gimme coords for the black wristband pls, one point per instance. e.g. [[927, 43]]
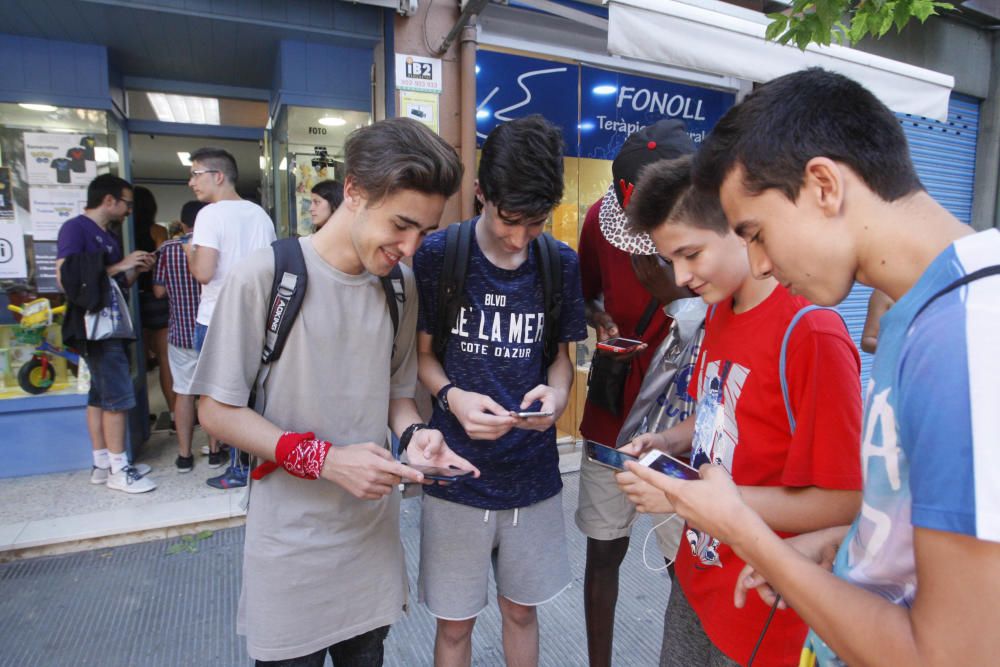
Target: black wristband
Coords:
[[404, 440], [442, 397]]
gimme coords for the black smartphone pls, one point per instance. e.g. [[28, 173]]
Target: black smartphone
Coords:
[[438, 474], [609, 457]]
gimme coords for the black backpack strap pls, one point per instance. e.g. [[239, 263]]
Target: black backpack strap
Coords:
[[984, 272], [395, 295], [451, 285], [647, 317], [287, 292], [552, 289]]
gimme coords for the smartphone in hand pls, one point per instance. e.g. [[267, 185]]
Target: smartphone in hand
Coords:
[[669, 466], [618, 345], [439, 474], [608, 457]]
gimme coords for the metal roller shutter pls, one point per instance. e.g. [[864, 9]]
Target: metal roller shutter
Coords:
[[945, 157]]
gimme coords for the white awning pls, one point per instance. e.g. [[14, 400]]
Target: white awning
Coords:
[[712, 36]]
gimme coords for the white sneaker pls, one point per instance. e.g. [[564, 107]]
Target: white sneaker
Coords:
[[205, 450], [100, 475], [129, 480]]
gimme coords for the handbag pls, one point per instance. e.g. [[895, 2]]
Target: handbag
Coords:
[[112, 320], [606, 380], [154, 312]]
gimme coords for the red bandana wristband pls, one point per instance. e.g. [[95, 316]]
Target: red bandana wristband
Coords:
[[301, 454]]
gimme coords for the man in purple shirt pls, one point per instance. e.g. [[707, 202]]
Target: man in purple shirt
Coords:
[[109, 199]]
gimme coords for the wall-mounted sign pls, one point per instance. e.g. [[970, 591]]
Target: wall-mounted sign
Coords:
[[418, 73], [509, 87], [421, 107], [613, 105]]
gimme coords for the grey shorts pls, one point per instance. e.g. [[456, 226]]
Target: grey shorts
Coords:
[[526, 546], [605, 513]]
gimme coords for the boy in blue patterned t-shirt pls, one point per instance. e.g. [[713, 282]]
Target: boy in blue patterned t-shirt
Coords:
[[814, 173], [495, 365]]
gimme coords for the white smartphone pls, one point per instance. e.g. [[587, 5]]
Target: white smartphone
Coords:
[[669, 466]]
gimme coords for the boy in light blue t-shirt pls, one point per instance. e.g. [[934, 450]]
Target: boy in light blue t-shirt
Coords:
[[814, 173]]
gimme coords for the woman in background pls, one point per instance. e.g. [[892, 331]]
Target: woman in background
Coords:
[[325, 197]]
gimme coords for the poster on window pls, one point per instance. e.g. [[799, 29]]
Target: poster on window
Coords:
[[13, 263], [6, 196], [59, 159], [51, 207], [45, 267]]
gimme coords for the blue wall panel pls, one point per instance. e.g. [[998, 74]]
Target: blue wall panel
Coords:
[[322, 75], [44, 434], [945, 157], [53, 72]]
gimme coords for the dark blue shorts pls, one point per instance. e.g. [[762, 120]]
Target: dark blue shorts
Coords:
[[110, 382]]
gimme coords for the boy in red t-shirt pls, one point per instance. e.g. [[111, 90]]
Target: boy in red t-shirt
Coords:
[[798, 478]]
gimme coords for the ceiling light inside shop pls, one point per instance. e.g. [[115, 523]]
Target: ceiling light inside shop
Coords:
[[262, 162], [184, 108], [185, 158], [104, 154], [332, 121], [37, 107]]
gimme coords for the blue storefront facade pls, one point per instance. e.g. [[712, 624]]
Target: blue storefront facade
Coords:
[[276, 71]]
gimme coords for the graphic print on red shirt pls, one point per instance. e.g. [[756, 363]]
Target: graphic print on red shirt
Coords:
[[752, 439]]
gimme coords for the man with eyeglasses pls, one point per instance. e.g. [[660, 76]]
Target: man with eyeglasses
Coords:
[[226, 231], [109, 200]]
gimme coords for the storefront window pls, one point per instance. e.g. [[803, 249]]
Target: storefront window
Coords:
[[308, 147], [48, 155]]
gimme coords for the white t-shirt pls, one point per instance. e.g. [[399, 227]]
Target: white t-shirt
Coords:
[[235, 228]]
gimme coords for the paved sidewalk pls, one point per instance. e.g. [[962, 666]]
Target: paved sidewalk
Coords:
[[142, 606]]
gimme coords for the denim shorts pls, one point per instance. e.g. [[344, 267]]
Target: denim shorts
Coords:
[[110, 382]]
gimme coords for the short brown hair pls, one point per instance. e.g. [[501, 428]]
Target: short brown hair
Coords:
[[401, 154], [664, 193]]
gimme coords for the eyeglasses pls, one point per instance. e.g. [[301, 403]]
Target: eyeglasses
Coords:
[[199, 172], [128, 203]]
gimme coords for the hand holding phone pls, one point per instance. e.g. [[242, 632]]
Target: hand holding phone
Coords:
[[668, 465], [619, 345], [441, 474], [608, 457]]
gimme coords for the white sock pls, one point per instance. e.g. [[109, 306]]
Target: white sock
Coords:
[[118, 461], [101, 459]]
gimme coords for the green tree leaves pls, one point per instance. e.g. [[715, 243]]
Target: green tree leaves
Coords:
[[846, 21]]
